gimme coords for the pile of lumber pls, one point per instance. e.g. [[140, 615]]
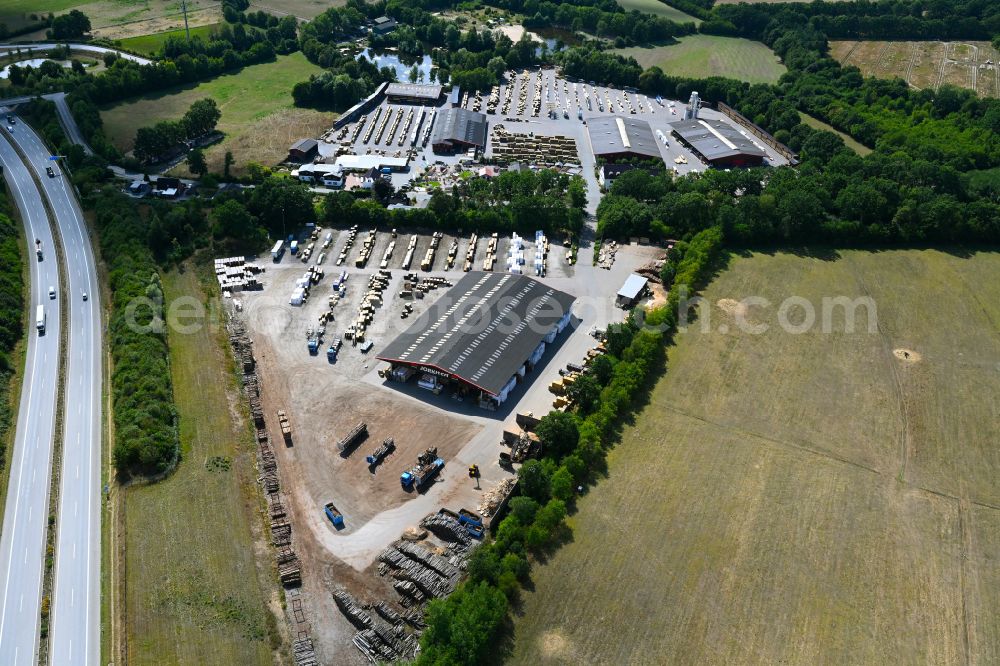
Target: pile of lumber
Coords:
[[351, 609], [431, 583], [304, 653], [447, 528], [289, 568]]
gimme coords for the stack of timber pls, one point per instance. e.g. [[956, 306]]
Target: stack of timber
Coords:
[[447, 528], [430, 582], [351, 609], [410, 593], [289, 567], [356, 434], [304, 652]]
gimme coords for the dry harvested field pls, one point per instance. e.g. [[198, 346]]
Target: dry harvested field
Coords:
[[799, 499], [970, 65], [305, 9]]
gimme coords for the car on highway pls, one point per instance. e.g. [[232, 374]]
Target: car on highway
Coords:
[[52, 292], [11, 120], [50, 172], [84, 295], [10, 128]]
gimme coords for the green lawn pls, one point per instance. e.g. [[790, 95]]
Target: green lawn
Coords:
[[854, 145], [194, 594], [258, 117], [660, 9], [150, 44], [706, 55]]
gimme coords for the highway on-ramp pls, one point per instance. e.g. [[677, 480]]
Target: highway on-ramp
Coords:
[[22, 546], [76, 616]]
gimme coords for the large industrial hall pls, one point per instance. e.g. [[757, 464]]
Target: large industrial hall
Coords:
[[481, 337]]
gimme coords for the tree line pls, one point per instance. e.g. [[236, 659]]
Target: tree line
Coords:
[[146, 439], [153, 142], [465, 627]]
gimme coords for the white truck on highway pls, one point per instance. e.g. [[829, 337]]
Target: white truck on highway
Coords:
[[40, 319]]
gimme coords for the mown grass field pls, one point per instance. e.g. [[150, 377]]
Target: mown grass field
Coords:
[[194, 594], [799, 499], [926, 64], [151, 44], [851, 143], [708, 55], [258, 117], [660, 9]]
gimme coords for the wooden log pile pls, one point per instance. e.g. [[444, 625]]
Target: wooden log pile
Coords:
[[289, 566], [304, 653], [447, 528], [430, 560], [409, 591], [351, 609], [431, 583], [388, 613]]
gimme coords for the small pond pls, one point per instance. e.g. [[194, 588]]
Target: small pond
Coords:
[[402, 66]]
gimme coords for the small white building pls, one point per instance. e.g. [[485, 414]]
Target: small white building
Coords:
[[635, 288]]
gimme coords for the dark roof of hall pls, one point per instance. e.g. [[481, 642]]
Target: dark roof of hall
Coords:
[[483, 329]]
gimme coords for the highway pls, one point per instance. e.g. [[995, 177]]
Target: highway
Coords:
[[76, 616], [87, 48], [22, 546]]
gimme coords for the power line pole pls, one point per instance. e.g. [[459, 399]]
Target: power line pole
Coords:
[[187, 30]]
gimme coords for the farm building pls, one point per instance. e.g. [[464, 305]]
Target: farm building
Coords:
[[303, 150], [481, 337], [457, 130], [616, 138], [383, 25], [413, 93], [718, 143], [331, 175]]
